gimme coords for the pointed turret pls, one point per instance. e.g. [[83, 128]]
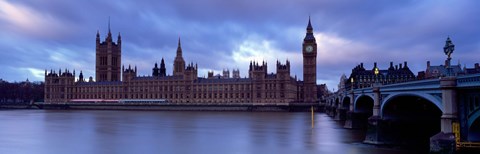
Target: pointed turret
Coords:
[[162, 63], [163, 70], [179, 48], [179, 63], [109, 35], [119, 39], [98, 38], [80, 77], [309, 35], [309, 26], [155, 71], [250, 68]]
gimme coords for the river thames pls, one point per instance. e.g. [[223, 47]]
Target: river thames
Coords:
[[91, 131]]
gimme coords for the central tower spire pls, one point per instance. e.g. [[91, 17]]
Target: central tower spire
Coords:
[[178, 63], [179, 48], [109, 35]]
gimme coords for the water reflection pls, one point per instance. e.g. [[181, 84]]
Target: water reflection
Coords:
[[52, 131]]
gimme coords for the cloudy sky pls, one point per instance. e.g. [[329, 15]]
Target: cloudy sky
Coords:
[[225, 34]]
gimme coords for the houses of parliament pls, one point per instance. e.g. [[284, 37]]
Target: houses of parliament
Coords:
[[115, 82]]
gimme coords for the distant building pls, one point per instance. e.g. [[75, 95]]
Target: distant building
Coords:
[[363, 78], [474, 70], [441, 70], [184, 86], [21, 92], [421, 75], [322, 92], [341, 84]]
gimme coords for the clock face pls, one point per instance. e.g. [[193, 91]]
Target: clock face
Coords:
[[309, 48]]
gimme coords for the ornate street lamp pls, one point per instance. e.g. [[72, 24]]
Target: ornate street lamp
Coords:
[[448, 50]]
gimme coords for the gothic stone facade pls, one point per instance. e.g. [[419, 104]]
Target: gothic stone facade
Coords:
[[184, 86]]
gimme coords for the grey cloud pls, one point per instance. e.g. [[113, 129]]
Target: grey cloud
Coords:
[[398, 31]]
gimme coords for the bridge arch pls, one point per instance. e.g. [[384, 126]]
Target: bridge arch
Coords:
[[346, 102], [474, 126], [411, 118], [335, 106], [362, 103], [362, 110], [337, 101], [436, 101]]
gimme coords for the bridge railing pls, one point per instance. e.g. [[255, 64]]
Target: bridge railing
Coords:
[[411, 85], [468, 80], [472, 80]]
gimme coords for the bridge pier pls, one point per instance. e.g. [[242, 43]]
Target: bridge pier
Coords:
[[327, 109], [355, 120], [375, 134], [376, 131], [444, 142], [332, 111], [341, 114]]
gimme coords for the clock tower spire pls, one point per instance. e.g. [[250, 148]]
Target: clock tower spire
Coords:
[[309, 51]]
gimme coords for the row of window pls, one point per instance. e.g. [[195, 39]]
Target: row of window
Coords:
[[166, 88], [168, 96], [385, 77]]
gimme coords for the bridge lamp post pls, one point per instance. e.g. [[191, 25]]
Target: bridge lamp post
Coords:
[[351, 95], [351, 81], [448, 49], [376, 95]]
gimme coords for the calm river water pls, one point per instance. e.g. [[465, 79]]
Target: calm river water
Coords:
[[140, 132]]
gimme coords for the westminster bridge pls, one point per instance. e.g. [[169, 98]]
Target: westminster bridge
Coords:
[[443, 112]]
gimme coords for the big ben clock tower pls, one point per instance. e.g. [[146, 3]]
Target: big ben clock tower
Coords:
[[309, 51]]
